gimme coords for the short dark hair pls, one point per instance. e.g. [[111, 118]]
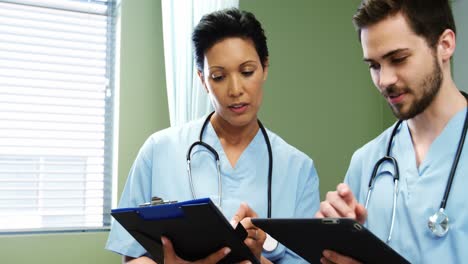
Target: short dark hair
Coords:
[[219, 25], [427, 18]]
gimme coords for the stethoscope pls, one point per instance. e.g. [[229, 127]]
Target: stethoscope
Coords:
[[438, 223], [218, 164]]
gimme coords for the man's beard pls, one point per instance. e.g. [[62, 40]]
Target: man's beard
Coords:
[[430, 88]]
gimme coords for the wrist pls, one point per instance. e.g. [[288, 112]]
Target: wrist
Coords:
[[264, 260]]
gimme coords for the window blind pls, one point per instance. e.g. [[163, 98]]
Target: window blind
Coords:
[[56, 114]]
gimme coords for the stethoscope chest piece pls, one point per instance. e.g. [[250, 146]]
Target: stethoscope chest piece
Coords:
[[439, 223]]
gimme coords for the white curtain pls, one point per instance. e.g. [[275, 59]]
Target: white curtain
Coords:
[[186, 96]]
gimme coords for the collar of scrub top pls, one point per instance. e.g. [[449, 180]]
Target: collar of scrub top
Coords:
[[438, 223], [216, 156]]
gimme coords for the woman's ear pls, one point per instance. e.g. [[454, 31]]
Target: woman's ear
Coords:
[[446, 45], [265, 69], [202, 80]]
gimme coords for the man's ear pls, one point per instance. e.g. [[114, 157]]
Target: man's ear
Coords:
[[202, 80], [446, 45]]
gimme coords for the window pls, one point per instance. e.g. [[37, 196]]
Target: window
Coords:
[[56, 114]]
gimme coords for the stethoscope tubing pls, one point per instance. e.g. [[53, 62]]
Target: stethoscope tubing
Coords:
[[218, 163], [461, 143], [396, 176], [218, 166]]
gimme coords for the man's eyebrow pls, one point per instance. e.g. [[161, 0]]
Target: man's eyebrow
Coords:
[[393, 52], [388, 54]]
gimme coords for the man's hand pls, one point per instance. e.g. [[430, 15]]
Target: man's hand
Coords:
[[342, 203]]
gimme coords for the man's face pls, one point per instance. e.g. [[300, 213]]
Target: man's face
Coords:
[[402, 65]]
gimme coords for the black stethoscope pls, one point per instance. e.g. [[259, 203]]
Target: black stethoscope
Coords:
[[216, 156], [438, 223]]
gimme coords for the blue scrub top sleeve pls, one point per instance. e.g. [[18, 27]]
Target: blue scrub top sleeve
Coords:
[[137, 190], [308, 195], [354, 175]]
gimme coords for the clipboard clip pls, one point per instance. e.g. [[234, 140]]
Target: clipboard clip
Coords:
[[155, 200]]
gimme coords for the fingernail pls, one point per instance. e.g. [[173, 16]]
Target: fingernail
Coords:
[[226, 251], [326, 253], [342, 189], [233, 223], [163, 240]]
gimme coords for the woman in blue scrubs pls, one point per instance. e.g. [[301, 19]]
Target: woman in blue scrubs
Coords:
[[232, 60]]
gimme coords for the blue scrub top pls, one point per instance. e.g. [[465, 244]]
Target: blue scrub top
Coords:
[[420, 193], [160, 169]]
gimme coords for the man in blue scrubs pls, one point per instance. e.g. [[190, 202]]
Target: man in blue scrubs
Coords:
[[408, 45], [232, 59]]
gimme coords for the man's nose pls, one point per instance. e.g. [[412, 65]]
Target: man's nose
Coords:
[[387, 77]]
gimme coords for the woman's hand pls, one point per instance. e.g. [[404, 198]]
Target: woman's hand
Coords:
[[170, 257], [331, 257], [140, 260], [256, 237]]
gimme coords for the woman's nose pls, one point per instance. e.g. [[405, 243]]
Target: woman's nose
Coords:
[[235, 86]]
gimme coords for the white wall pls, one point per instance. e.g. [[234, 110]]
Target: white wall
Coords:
[[460, 7]]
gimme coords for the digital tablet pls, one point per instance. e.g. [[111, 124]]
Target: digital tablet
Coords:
[[309, 237], [196, 229]]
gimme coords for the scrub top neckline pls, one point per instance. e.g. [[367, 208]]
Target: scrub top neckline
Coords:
[[226, 164], [439, 146]]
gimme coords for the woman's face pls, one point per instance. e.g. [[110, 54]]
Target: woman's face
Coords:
[[233, 76]]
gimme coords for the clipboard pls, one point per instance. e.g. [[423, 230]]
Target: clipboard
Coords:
[[309, 237], [196, 229]]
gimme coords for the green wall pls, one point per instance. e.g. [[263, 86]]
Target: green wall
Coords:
[[319, 95], [143, 102], [319, 98], [460, 67]]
